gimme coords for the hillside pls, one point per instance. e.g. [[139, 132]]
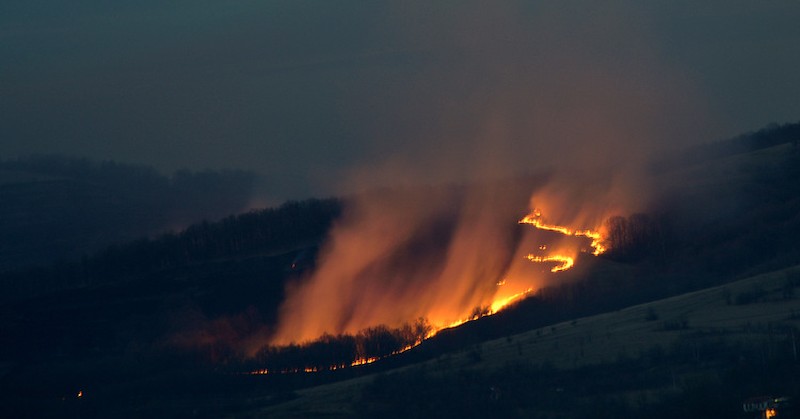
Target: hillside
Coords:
[[634, 359], [694, 305], [61, 208]]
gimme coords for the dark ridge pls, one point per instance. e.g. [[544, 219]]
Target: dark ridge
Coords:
[[60, 208]]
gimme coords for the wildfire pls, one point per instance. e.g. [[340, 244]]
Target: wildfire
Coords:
[[558, 255], [500, 304], [355, 363], [365, 361], [566, 262]]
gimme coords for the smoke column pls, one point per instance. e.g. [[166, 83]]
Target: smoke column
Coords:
[[515, 88]]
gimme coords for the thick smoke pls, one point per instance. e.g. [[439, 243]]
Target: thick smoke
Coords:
[[508, 90], [400, 255]]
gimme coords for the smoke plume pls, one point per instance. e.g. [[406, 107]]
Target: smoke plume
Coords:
[[517, 89]]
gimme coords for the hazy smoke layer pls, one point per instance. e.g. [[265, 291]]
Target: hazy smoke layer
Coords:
[[400, 255], [531, 87]]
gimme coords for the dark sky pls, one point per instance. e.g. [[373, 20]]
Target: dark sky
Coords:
[[309, 93]]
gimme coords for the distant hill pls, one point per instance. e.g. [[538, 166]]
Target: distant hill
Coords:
[[60, 208]]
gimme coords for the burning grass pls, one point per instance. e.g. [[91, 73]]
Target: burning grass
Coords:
[[330, 353], [333, 352]]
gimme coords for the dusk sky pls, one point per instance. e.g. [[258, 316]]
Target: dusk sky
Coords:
[[311, 93]]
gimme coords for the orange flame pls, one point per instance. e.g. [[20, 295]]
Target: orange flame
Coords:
[[502, 303], [535, 219], [564, 262], [562, 259], [363, 361]]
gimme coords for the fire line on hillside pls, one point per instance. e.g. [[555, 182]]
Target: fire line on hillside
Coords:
[[562, 262]]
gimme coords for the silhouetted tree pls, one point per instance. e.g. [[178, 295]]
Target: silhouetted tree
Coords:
[[631, 238]]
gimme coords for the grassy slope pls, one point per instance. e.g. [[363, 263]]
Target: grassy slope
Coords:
[[708, 315], [597, 340]]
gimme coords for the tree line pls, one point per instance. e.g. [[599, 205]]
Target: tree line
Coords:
[[769, 136], [284, 228], [341, 351]]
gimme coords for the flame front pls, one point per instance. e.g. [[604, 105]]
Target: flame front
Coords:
[[535, 219], [391, 260], [564, 262]]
